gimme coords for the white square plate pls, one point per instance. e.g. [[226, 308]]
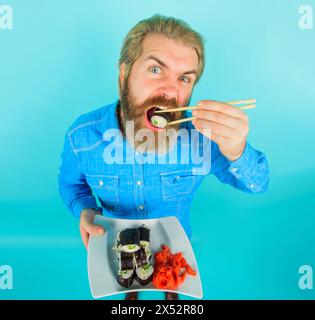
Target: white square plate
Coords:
[[102, 259]]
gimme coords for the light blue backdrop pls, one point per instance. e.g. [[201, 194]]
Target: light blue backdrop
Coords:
[[60, 60]]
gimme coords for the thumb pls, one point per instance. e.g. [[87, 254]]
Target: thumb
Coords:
[[94, 229]]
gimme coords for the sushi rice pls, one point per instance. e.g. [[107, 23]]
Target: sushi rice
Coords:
[[129, 248], [145, 271], [146, 246], [125, 274], [158, 121]]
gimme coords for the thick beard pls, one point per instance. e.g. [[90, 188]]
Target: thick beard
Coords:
[[164, 140]]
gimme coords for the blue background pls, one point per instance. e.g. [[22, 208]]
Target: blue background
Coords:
[[61, 60]]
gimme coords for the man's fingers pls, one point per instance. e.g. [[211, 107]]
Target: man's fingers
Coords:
[[90, 227], [99, 229], [222, 107], [94, 229], [218, 117], [87, 227], [216, 128], [85, 237], [88, 230]]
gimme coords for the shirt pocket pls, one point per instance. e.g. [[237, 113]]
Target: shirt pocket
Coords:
[[176, 185], [104, 186]]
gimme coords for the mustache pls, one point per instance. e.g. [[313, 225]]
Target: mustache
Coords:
[[150, 105], [159, 101]]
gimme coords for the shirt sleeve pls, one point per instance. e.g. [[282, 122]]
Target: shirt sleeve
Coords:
[[248, 173], [73, 187]]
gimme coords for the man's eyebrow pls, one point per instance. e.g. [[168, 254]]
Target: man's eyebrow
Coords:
[[165, 66]]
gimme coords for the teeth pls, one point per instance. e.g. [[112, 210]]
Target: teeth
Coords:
[[162, 107]]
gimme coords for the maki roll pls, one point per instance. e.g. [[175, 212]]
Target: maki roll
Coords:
[[129, 240], [145, 241], [133, 253], [126, 261], [158, 121], [140, 257], [125, 278], [144, 235], [144, 274], [147, 252]]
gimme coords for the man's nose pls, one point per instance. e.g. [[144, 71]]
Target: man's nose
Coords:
[[169, 89]]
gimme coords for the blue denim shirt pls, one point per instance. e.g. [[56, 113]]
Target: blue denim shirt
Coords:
[[145, 186]]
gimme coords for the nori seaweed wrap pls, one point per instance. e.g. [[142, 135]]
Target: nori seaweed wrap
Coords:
[[144, 274], [141, 257], [125, 278], [145, 241], [129, 240], [144, 234], [126, 261]]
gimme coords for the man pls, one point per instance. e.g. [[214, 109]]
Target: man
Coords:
[[161, 60]]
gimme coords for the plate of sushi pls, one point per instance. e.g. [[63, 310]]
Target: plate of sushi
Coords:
[[139, 255]]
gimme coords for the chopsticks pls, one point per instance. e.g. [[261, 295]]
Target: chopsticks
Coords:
[[245, 104]]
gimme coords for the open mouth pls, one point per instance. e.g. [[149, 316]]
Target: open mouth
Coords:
[[157, 122]]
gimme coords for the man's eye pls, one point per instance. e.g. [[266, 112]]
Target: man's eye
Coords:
[[185, 79], [155, 69]]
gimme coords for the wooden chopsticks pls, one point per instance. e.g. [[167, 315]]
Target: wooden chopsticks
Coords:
[[241, 104], [249, 104]]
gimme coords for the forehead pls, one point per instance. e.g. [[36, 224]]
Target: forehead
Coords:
[[168, 50]]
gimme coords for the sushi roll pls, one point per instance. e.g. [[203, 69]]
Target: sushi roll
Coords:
[[144, 234], [144, 274], [145, 241], [147, 252], [125, 278], [158, 121], [133, 253], [128, 240], [140, 257], [126, 261]]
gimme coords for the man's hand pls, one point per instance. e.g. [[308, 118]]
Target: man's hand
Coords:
[[228, 126], [87, 227]]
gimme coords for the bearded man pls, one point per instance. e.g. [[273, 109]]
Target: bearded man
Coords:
[[161, 61]]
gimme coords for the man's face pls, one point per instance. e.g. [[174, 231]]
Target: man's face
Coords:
[[163, 75]]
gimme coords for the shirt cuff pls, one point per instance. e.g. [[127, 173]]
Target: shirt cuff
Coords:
[[83, 203], [245, 163]]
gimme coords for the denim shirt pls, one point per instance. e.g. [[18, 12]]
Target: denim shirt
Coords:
[[141, 185]]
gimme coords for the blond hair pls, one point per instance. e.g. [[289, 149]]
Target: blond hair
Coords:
[[170, 27]]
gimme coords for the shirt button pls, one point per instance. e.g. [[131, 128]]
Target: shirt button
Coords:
[[177, 177], [139, 183], [141, 207], [101, 182], [252, 186], [234, 169]]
